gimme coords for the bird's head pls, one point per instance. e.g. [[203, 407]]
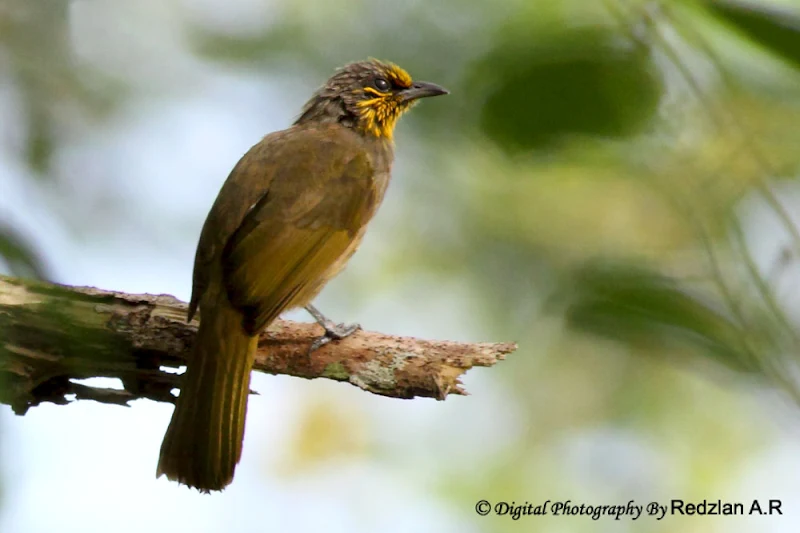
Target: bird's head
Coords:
[[368, 96]]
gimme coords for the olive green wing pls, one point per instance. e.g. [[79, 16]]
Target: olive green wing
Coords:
[[316, 204], [247, 183]]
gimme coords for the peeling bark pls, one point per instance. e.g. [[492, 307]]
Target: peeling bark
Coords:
[[51, 335]]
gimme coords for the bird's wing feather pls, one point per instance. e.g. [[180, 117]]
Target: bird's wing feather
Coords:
[[289, 242], [248, 182], [314, 203]]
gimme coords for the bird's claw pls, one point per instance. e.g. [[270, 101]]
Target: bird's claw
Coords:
[[333, 332]]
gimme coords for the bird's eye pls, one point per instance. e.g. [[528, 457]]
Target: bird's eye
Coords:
[[381, 84]]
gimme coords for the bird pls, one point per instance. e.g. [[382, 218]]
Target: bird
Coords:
[[287, 219]]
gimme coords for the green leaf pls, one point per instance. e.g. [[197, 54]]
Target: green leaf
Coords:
[[776, 29], [646, 309], [20, 257], [540, 88]]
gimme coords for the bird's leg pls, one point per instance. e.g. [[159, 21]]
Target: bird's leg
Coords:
[[333, 331]]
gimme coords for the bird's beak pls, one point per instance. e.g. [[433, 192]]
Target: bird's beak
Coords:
[[422, 89]]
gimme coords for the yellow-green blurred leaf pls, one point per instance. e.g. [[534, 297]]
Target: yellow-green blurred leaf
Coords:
[[777, 29], [540, 87], [19, 255], [646, 309]]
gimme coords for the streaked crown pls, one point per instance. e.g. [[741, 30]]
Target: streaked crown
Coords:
[[368, 96]]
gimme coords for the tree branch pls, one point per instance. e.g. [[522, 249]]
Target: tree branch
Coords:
[[52, 335]]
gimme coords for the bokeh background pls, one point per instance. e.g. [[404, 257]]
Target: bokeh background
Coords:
[[612, 184]]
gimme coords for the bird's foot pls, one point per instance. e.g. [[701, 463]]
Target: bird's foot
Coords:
[[333, 331]]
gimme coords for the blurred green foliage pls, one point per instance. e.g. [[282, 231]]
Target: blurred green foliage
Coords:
[[774, 27], [582, 81], [645, 308], [18, 255]]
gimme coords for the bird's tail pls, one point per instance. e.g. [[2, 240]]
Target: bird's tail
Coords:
[[203, 442]]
